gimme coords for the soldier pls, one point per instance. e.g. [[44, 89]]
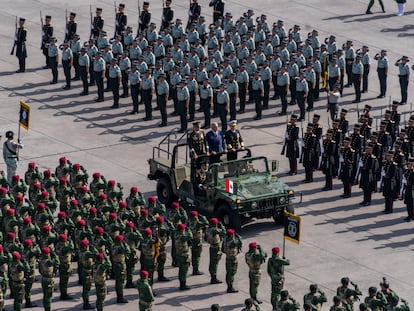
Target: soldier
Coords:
[[163, 90], [47, 33], [167, 15], [67, 63], [121, 20], [257, 90], [382, 70], [357, 143], [193, 89], [348, 295], [218, 9], [375, 300], [76, 47], [287, 302], [409, 187], [53, 55], [115, 77], [404, 77], [232, 245], [214, 234], [71, 27], [333, 98], [11, 154], [315, 297], [65, 250], [291, 144], [197, 145], [146, 297], [366, 62], [162, 236], [337, 306], [99, 71], [275, 269], [85, 265], [144, 19], [234, 141], [17, 269], [282, 82], [255, 257], [223, 105], [125, 66], [308, 153], [84, 63], [20, 43], [368, 165], [301, 92], [31, 255], [183, 98], [194, 13], [250, 304], [242, 78], [147, 249], [119, 252], [183, 240], [100, 273], [197, 225], [346, 160], [357, 73], [328, 160], [147, 90], [206, 97], [47, 268], [394, 300], [386, 290], [4, 275], [389, 186], [97, 24]]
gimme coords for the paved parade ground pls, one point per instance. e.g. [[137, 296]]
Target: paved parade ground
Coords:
[[339, 237]]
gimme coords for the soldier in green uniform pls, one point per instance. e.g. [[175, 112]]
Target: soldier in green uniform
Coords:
[[147, 258], [275, 269], [30, 254], [47, 267], [65, 251], [17, 271], [287, 302], [255, 257], [176, 216], [120, 252], [315, 297], [214, 234], [375, 300], [197, 225], [4, 275], [146, 297], [162, 236], [250, 304], [85, 265], [135, 201], [232, 245], [132, 239], [197, 145], [182, 242], [394, 304], [348, 295], [337, 306], [100, 272]]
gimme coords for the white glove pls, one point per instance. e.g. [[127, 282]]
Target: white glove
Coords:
[[382, 173], [286, 134], [322, 149], [360, 163]]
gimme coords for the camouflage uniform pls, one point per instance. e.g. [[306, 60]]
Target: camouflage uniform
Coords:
[[255, 257], [100, 272], [30, 254], [197, 226], [85, 265], [132, 238], [47, 266], [182, 242], [65, 251], [287, 303], [147, 258], [315, 297], [176, 216], [213, 235], [275, 266], [4, 276], [146, 297], [17, 271], [119, 254], [232, 245], [162, 236]]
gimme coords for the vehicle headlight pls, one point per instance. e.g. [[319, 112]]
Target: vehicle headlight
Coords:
[[254, 204], [282, 200], [291, 192]]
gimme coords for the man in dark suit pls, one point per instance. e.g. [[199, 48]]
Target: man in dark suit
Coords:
[[20, 42], [215, 143]]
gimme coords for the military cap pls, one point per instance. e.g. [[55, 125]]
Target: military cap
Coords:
[[395, 103], [293, 117], [329, 132], [1, 248], [66, 43], [385, 282], [349, 42], [11, 235], [27, 243], [84, 243], [276, 250], [394, 299], [83, 49], [323, 46], [340, 51], [230, 232], [223, 85], [144, 212], [284, 293], [76, 36], [93, 211], [19, 198], [357, 126], [46, 228], [365, 47], [148, 231], [73, 202], [15, 177], [9, 134], [119, 238], [398, 143], [403, 130], [48, 17], [343, 110], [61, 214], [347, 139], [16, 256], [310, 125], [358, 56], [248, 302], [334, 59], [411, 160], [10, 212], [121, 5], [98, 9], [405, 58], [215, 307], [37, 186], [99, 230], [383, 123], [22, 19], [196, 123], [345, 280], [63, 237], [387, 111], [46, 250], [252, 245], [383, 51], [313, 287], [100, 256], [335, 121], [31, 165], [81, 223], [332, 37], [72, 14], [232, 122], [181, 227], [316, 116], [214, 221], [146, 3]]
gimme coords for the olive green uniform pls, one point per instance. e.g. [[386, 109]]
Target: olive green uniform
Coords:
[[65, 251], [146, 297], [275, 266], [254, 259], [47, 266], [183, 241], [17, 271], [232, 245], [162, 234], [30, 255], [100, 272], [197, 227], [147, 258], [85, 263], [132, 238], [213, 237], [120, 252]]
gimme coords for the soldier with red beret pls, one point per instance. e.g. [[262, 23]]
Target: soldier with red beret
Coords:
[[183, 239], [232, 245], [255, 257], [275, 269]]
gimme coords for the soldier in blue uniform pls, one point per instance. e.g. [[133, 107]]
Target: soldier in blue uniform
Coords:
[[47, 33], [404, 77]]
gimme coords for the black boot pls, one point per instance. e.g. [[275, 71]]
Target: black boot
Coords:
[[197, 272], [121, 299], [162, 278], [88, 306], [129, 285], [183, 286], [231, 289], [214, 280], [29, 304], [65, 297]]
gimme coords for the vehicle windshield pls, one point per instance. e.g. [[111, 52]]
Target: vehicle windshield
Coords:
[[241, 168]]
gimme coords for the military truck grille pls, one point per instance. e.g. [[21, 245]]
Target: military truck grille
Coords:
[[268, 203]]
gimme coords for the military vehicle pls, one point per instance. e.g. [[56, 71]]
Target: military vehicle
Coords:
[[233, 191]]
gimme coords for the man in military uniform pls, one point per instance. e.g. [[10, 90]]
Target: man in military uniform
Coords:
[[10, 154], [382, 70], [194, 13], [234, 141], [375, 300], [146, 297], [183, 99], [404, 77], [308, 153], [183, 240], [163, 90], [287, 302], [115, 77], [162, 236], [346, 161], [167, 15], [31, 255], [315, 297], [47, 33], [121, 20], [147, 90], [97, 24], [346, 294], [71, 27], [232, 245], [17, 269], [147, 258], [100, 273], [85, 265], [275, 269], [389, 185], [255, 257], [53, 54], [357, 73], [47, 268], [144, 19], [197, 146], [65, 251], [20, 43], [67, 63], [328, 160], [409, 188], [84, 63], [291, 144], [119, 253], [214, 234], [218, 9], [197, 225]]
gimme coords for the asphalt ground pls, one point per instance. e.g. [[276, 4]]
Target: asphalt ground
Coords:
[[339, 238]]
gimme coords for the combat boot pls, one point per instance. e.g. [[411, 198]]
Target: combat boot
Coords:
[[121, 299], [231, 289], [183, 286], [65, 297], [88, 306], [214, 280], [162, 278], [197, 272], [29, 304], [130, 285]]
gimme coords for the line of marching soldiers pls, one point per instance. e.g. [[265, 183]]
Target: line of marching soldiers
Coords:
[[381, 160]]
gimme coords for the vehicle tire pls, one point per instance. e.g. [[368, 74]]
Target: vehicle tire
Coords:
[[164, 191], [229, 218], [280, 218]]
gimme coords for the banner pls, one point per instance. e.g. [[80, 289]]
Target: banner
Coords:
[[24, 117], [292, 227]]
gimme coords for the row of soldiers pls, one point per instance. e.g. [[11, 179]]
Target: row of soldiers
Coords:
[[382, 159], [243, 57]]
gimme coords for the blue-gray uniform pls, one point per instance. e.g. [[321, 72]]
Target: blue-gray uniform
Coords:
[[223, 101], [243, 79], [143, 43], [275, 65], [357, 72], [124, 65], [212, 42], [310, 77], [76, 46], [142, 67], [107, 56], [206, 95], [149, 58], [251, 67], [215, 82], [184, 45], [227, 71], [293, 71], [228, 47], [163, 90], [291, 46], [404, 77], [201, 52], [334, 75], [193, 36], [259, 36], [300, 61], [242, 53], [152, 35], [91, 50], [257, 89], [202, 30], [333, 98], [218, 57], [382, 70], [177, 55], [281, 32], [128, 39], [159, 51], [266, 76], [228, 25], [167, 40], [268, 49], [284, 55], [331, 48], [297, 37], [211, 64], [99, 72], [349, 58], [183, 97], [102, 42], [218, 32], [316, 44], [366, 62], [134, 81], [233, 90], [67, 61], [193, 89], [10, 157], [117, 48], [302, 90], [282, 81], [242, 29], [259, 59], [147, 86], [177, 31], [175, 79], [274, 40], [250, 44], [53, 54], [234, 62], [115, 78], [249, 22], [194, 60], [201, 75], [84, 64], [184, 69], [235, 38], [307, 51]]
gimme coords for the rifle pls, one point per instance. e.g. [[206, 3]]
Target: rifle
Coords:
[[66, 25], [115, 20], [162, 13], [139, 18], [92, 27], [41, 30], [301, 153], [285, 143], [15, 37]]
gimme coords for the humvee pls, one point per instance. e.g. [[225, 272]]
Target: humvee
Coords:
[[234, 191]]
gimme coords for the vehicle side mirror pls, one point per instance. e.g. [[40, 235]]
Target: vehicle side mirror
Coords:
[[275, 165]]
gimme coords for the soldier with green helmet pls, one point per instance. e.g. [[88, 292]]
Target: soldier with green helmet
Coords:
[[31, 254], [147, 258], [287, 302], [65, 251], [394, 304], [337, 304], [146, 297], [85, 265], [315, 297], [348, 295], [232, 245], [375, 299], [132, 239], [255, 257], [183, 240], [214, 234], [47, 267], [197, 225], [100, 272], [250, 304], [275, 269], [17, 271]]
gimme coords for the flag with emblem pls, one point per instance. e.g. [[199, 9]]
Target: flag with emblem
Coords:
[[24, 118]]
